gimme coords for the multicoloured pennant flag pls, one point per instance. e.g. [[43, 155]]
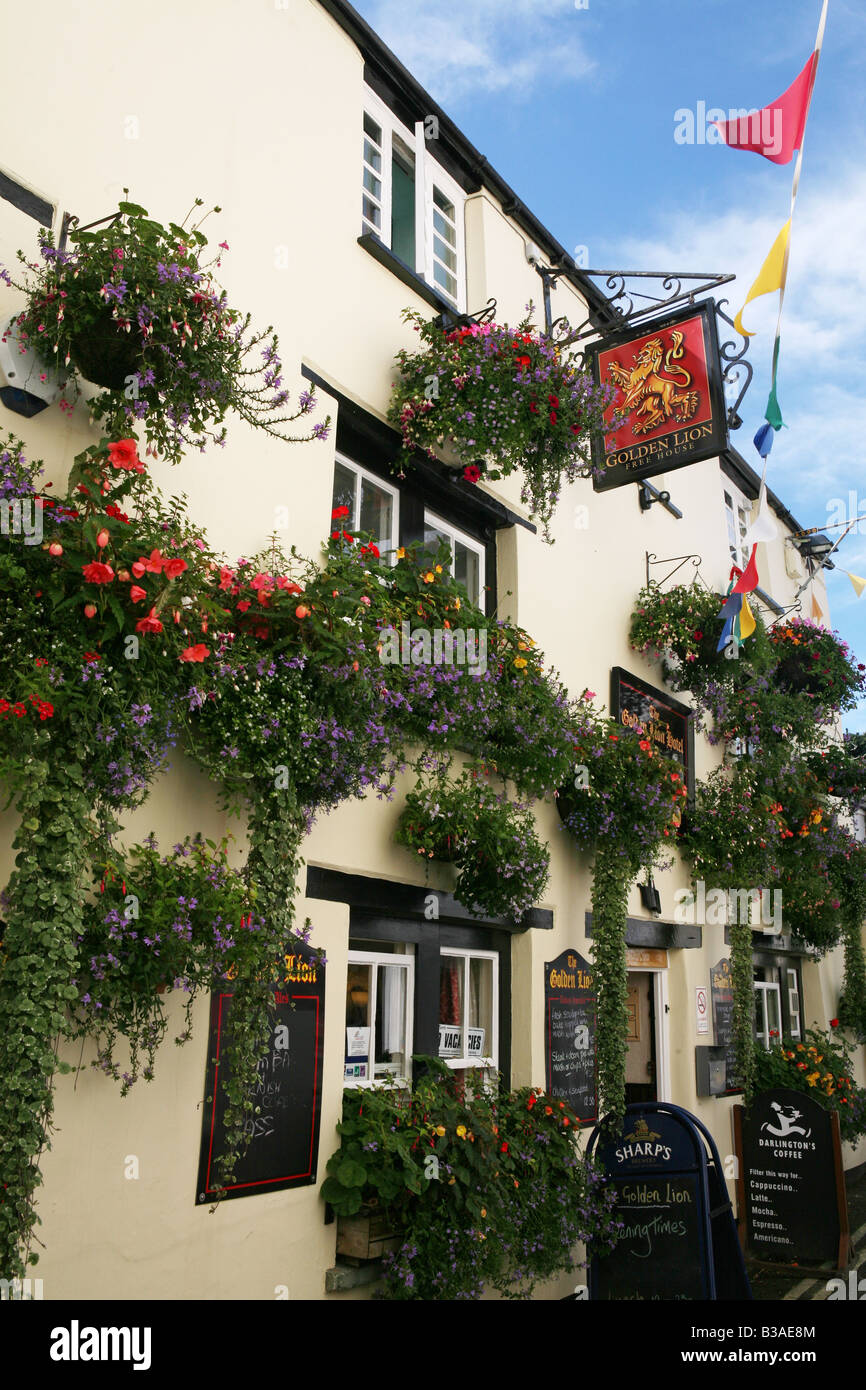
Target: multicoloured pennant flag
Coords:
[[775, 131], [780, 129], [747, 621], [748, 580]]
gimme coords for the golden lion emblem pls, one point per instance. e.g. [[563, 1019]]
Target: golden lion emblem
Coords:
[[652, 398]]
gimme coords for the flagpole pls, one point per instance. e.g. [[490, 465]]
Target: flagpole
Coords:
[[795, 186]]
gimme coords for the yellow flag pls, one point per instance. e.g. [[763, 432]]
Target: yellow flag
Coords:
[[817, 612], [859, 584], [747, 620], [771, 276]]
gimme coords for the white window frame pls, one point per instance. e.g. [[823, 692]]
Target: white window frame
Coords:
[[455, 534], [491, 1059], [353, 521], [404, 962], [762, 989], [739, 513], [428, 174], [794, 1005]]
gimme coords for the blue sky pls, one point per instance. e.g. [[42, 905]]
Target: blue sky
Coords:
[[575, 107]]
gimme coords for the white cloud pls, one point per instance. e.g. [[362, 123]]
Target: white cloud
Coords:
[[459, 48]]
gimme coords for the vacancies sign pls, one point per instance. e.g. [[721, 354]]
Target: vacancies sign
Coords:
[[668, 408]]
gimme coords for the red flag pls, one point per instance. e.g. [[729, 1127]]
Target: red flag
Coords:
[[748, 580], [775, 131]]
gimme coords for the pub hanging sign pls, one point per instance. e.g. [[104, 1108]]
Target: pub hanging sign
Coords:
[[668, 408]]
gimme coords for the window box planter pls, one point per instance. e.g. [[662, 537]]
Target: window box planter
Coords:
[[368, 1235]]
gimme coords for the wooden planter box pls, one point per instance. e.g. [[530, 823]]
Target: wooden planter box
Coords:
[[366, 1236]]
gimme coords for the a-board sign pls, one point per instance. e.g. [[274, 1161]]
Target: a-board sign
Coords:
[[284, 1134], [791, 1184], [570, 1034], [722, 996], [658, 1169], [668, 406]]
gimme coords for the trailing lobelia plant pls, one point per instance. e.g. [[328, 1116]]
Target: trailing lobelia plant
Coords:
[[134, 307], [507, 395]]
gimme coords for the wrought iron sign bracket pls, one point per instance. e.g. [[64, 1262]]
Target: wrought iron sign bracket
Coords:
[[620, 300], [733, 364], [648, 494], [450, 319], [652, 559]]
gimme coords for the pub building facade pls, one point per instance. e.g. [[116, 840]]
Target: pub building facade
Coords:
[[350, 196]]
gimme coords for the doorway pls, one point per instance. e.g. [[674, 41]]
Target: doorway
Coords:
[[641, 1064]]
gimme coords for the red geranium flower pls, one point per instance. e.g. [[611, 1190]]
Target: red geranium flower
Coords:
[[289, 585], [136, 593], [471, 473], [196, 653], [92, 656], [172, 568], [553, 417], [834, 1023], [97, 573], [243, 605], [339, 512]]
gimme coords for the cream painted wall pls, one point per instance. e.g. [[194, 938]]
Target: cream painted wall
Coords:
[[267, 122]]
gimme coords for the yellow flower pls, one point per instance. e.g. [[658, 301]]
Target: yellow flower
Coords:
[[429, 577], [461, 1131], [451, 1182], [438, 569], [440, 1130], [483, 1211], [457, 604], [812, 1077], [520, 662], [401, 553]]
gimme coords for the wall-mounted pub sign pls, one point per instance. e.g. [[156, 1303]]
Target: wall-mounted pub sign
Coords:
[[657, 716], [570, 1008], [669, 407], [284, 1133]]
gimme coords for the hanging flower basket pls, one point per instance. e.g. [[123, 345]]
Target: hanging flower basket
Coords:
[[509, 395], [502, 866], [816, 662], [134, 307], [106, 353]]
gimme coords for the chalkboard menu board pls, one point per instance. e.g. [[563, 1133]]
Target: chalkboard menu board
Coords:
[[657, 1168], [570, 1028], [284, 1134], [658, 1255], [791, 1166], [722, 995]]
